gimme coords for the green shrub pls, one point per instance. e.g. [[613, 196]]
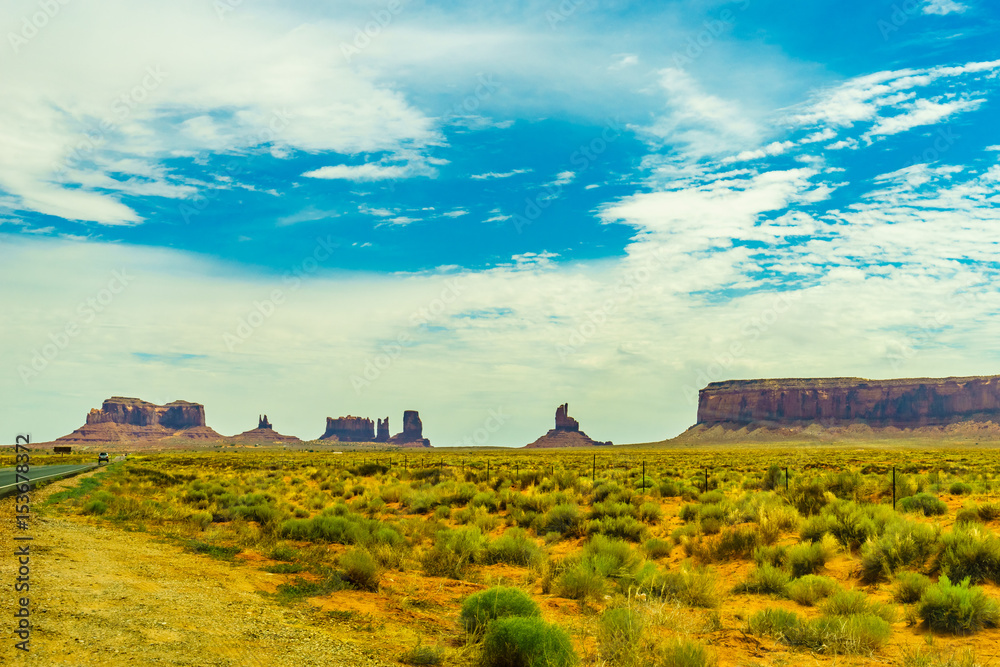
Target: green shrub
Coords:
[[806, 558], [771, 555], [95, 507], [423, 655], [910, 587], [563, 519], [453, 552], [957, 608], [359, 569], [479, 609], [581, 582], [854, 634], [622, 527], [514, 547], [810, 589], [657, 548], [764, 579], [775, 622], [526, 642], [737, 542], [618, 635], [850, 603], [695, 587], [852, 524], [968, 552], [903, 544], [683, 653], [815, 527], [924, 503], [808, 499], [650, 512], [960, 488]]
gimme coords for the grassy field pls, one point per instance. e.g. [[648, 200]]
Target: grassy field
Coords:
[[634, 557]]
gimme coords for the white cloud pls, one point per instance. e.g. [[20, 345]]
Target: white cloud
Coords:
[[457, 213], [499, 174], [921, 112], [362, 172], [943, 7]]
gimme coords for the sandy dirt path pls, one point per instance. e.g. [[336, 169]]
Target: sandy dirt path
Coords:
[[100, 596]]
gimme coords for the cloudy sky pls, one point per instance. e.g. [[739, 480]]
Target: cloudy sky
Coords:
[[483, 210]]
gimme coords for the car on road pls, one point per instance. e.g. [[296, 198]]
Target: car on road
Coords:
[[103, 458]]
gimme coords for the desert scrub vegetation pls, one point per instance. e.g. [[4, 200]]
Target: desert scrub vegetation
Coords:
[[957, 607], [550, 521], [481, 609], [517, 641], [858, 634]]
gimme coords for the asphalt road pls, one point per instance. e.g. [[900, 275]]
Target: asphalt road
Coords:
[[37, 473]]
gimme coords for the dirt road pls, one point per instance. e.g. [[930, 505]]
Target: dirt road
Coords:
[[101, 596]]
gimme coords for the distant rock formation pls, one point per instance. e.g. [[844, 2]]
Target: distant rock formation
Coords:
[[263, 434], [413, 431], [123, 419], [834, 402], [567, 433], [382, 432], [349, 429]]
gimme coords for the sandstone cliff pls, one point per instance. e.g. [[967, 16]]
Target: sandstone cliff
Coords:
[[903, 403], [123, 419], [349, 429], [413, 431]]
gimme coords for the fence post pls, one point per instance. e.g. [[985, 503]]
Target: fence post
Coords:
[[487, 471], [593, 472], [706, 480], [894, 487], [644, 475], [786, 478]]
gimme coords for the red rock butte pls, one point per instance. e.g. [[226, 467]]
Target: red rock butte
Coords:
[[263, 434], [123, 419], [900, 403], [362, 429], [567, 433]]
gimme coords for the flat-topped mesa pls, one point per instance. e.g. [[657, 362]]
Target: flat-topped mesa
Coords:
[[136, 412], [382, 430], [567, 433], [901, 403], [122, 419], [263, 423], [413, 431], [349, 429]]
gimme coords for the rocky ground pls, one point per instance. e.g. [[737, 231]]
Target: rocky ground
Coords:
[[106, 597]]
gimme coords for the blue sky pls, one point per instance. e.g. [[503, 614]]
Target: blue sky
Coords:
[[364, 207]]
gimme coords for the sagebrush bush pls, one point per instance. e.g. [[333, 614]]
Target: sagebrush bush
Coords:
[[811, 588], [853, 634], [657, 548], [764, 579], [910, 587], [957, 608], [925, 503], [683, 653], [903, 544], [479, 609], [359, 569], [848, 603], [526, 642], [969, 551], [806, 558], [695, 587], [453, 552], [563, 519], [514, 547], [619, 632]]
